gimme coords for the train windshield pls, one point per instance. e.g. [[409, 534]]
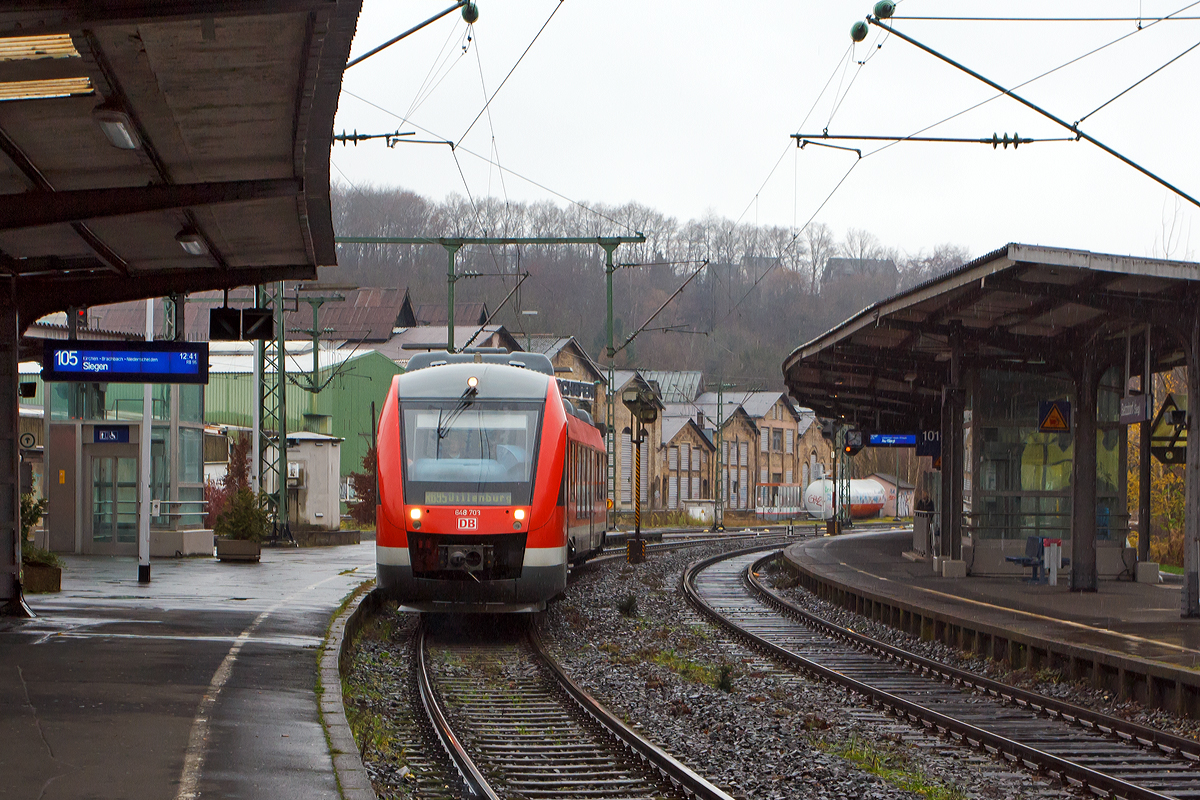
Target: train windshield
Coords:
[[476, 453]]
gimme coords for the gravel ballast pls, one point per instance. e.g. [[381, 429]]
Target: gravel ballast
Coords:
[[628, 636], [773, 734]]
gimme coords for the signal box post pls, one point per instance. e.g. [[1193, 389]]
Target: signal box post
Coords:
[[641, 406]]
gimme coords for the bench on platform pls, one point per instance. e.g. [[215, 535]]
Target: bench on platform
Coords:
[[1034, 548], [1034, 558]]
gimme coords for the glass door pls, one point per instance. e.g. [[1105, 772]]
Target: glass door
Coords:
[[114, 505]]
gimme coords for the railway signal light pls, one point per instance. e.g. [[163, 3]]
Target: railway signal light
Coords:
[[854, 442]]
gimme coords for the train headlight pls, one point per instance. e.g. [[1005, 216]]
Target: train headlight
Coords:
[[415, 514], [519, 514]]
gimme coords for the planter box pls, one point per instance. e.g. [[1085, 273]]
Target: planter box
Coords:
[[238, 550], [41, 578]]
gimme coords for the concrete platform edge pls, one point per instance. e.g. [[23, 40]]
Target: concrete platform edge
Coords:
[[348, 766], [1151, 683]]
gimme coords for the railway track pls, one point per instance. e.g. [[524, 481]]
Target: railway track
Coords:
[[697, 539], [516, 727], [1108, 756]]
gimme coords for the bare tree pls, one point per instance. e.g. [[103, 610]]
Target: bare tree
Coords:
[[820, 245], [922, 267], [861, 245]]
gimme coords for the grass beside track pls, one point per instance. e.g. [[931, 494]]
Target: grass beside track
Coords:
[[892, 766]]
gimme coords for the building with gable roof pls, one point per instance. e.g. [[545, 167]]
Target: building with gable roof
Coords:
[[689, 458], [580, 379]]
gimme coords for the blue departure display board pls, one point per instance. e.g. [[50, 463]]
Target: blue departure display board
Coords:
[[125, 362], [892, 440]]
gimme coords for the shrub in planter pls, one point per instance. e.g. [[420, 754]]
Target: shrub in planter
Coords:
[[244, 518], [241, 527], [42, 569]]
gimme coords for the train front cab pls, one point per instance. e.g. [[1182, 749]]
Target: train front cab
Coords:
[[490, 535]]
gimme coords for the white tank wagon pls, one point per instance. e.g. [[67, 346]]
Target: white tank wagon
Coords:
[[866, 498]]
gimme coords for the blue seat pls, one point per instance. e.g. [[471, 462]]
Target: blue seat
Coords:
[[1034, 548]]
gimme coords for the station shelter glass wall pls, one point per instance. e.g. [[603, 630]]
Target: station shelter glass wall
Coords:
[[176, 444], [1022, 478]]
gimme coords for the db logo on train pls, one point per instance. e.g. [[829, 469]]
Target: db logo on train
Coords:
[[468, 523]]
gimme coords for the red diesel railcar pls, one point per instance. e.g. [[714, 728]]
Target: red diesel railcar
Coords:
[[490, 483]]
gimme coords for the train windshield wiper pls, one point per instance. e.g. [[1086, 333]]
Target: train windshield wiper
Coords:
[[464, 402]]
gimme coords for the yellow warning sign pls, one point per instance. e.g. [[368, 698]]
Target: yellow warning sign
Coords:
[[1054, 416]]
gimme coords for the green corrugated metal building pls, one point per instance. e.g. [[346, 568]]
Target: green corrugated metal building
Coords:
[[342, 408]]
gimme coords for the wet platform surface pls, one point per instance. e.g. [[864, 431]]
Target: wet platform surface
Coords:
[[1123, 617], [201, 683]]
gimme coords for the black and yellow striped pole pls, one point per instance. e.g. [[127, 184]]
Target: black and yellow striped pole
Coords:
[[635, 548]]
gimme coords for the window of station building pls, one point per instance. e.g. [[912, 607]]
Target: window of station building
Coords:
[[777, 440], [160, 472], [191, 455], [191, 507], [1022, 477], [191, 403]]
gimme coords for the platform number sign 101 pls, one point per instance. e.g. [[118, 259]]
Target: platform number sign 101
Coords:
[[929, 443]]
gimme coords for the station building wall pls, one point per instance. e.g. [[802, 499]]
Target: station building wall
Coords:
[[1018, 480]]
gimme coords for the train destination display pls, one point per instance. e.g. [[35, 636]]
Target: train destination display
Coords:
[[125, 362], [892, 440]]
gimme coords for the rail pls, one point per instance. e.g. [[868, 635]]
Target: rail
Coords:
[[472, 777], [674, 770], [964, 732]]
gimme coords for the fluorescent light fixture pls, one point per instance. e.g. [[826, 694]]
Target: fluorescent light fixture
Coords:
[[192, 242], [30, 48], [118, 128], [44, 90]]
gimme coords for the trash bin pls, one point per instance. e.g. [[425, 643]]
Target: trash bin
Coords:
[[1051, 559]]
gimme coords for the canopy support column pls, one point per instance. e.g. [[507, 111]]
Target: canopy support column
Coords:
[[952, 457], [11, 602], [1144, 492], [1084, 577], [1190, 600]]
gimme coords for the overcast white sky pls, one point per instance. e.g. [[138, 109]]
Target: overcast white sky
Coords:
[[687, 108]]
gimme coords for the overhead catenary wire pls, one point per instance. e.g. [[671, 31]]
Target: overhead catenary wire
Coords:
[[457, 147], [438, 70], [1137, 83], [1043, 112], [1140, 20], [629, 340], [845, 56], [1035, 78], [511, 71], [495, 151], [861, 156], [779, 259]]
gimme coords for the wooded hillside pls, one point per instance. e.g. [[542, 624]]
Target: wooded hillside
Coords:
[[762, 293]]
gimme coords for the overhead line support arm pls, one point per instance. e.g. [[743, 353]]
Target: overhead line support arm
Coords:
[[1073, 128]]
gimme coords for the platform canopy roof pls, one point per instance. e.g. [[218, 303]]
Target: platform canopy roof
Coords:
[[131, 128], [1023, 307]]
